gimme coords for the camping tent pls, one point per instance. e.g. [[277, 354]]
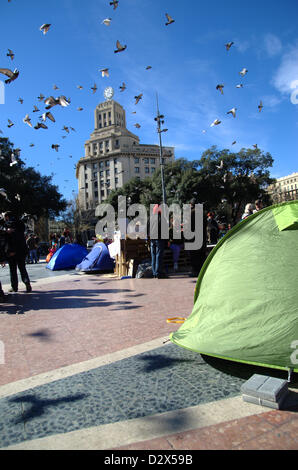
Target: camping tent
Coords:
[[97, 260], [67, 257], [246, 296]]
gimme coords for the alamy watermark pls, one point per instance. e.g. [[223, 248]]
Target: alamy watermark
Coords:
[[294, 94], [294, 355], [2, 93], [186, 223]]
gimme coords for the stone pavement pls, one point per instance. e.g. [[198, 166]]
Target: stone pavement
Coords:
[[86, 366]]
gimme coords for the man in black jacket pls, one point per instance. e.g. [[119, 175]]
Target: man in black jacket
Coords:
[[15, 229]]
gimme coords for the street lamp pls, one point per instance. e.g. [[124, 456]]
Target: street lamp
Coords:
[[159, 120]]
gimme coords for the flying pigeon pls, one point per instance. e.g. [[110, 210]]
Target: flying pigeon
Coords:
[[170, 19], [80, 87], [115, 3], [239, 86], [255, 146], [45, 28], [138, 98], [27, 120], [80, 109], [232, 111], [65, 128], [20, 100], [220, 166], [35, 110], [72, 129], [137, 125], [48, 115], [148, 67], [40, 125], [229, 45], [10, 123], [119, 46], [56, 147], [12, 75], [215, 123], [104, 72], [107, 21], [41, 97], [94, 88], [122, 87], [51, 101], [220, 88], [55, 87], [13, 160], [10, 54], [31, 145], [233, 143], [260, 107], [4, 194], [243, 72]]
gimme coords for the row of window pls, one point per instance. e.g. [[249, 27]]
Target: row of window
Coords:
[[147, 169]]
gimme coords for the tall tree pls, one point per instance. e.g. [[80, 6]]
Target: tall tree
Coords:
[[26, 189]]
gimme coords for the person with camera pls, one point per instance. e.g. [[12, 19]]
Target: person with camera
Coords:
[[18, 251]]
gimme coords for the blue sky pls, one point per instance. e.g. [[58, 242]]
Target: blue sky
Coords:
[[188, 59]]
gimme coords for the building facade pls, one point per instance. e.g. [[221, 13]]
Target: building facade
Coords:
[[113, 156], [285, 189]]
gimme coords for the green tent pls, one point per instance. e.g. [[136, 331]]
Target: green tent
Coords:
[[246, 296]]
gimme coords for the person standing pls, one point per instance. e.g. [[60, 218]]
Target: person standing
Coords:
[[15, 229], [31, 244], [157, 243], [258, 205]]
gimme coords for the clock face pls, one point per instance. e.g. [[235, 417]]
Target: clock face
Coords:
[[108, 93]]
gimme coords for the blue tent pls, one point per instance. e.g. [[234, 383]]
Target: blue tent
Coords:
[[67, 257], [97, 260]]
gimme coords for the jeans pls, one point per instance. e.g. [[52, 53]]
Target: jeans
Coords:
[[157, 249], [33, 256], [14, 263]]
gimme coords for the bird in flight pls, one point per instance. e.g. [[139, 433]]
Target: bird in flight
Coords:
[[170, 19], [48, 115], [239, 86], [122, 87], [10, 123], [107, 21], [233, 112], [119, 47], [35, 110], [45, 28], [13, 160], [20, 100], [41, 97], [94, 88], [220, 88], [243, 72], [27, 120], [114, 3], [260, 107], [216, 122], [13, 75], [104, 72], [56, 147], [40, 125], [51, 101], [229, 45], [138, 98], [137, 125], [148, 67], [10, 54]]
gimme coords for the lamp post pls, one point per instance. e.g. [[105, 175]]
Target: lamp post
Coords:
[[159, 120]]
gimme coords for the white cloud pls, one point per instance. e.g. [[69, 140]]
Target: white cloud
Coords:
[[273, 45], [287, 72]]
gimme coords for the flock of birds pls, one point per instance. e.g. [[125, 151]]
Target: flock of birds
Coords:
[[50, 101]]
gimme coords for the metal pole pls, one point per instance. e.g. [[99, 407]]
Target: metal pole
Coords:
[[158, 118]]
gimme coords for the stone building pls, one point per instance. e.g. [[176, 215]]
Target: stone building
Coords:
[[284, 189], [113, 156]]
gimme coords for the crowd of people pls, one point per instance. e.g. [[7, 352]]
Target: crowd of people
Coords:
[[18, 248]]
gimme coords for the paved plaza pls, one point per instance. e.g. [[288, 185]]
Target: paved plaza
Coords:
[[87, 365]]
